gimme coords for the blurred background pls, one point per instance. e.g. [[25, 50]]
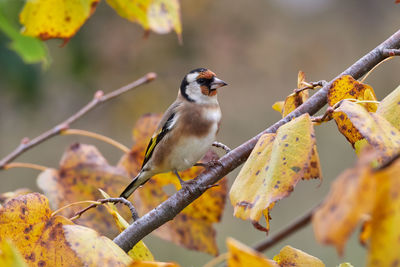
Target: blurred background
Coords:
[[256, 46]]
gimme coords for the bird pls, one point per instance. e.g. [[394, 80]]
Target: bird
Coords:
[[186, 131]]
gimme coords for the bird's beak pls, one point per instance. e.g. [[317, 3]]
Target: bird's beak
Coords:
[[217, 83]]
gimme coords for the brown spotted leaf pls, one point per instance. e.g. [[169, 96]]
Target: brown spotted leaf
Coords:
[[374, 128], [240, 255], [48, 19], [273, 168], [289, 256], [93, 249], [39, 237], [83, 170], [346, 87], [193, 227], [4, 197], [389, 108], [351, 197]]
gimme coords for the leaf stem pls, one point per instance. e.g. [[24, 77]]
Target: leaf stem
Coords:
[[74, 204], [24, 165], [97, 136], [377, 65]]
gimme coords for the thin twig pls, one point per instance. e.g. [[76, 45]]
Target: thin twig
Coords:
[[73, 204], [311, 85], [167, 210], [294, 226], [99, 98], [122, 200], [97, 136], [390, 52]]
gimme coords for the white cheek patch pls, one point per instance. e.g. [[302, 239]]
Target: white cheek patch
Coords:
[[191, 77]]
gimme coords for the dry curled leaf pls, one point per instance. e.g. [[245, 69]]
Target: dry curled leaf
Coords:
[[193, 227], [346, 87], [27, 222], [82, 171], [289, 256], [273, 168], [48, 19], [93, 249], [240, 255]]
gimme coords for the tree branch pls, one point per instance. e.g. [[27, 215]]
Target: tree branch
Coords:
[[294, 226], [99, 98], [167, 210]]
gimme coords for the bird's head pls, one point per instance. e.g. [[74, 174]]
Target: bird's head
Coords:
[[200, 85]]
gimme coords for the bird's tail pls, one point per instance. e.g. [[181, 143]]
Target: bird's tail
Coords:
[[140, 179]]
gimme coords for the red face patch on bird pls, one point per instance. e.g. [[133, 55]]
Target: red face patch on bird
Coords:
[[204, 79]]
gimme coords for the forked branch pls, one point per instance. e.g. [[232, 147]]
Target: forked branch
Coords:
[[98, 99]]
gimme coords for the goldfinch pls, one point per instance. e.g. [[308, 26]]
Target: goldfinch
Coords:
[[186, 131]]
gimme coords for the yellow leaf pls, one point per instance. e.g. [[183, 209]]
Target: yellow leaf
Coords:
[[352, 195], [140, 250], [93, 249], [278, 106], [293, 100], [346, 87], [191, 228], [160, 16], [365, 233], [289, 256], [384, 243], [389, 108], [374, 128], [10, 256], [48, 19], [240, 255], [82, 171], [27, 222], [273, 168]]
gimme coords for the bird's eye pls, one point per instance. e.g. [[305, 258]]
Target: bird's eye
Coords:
[[201, 81]]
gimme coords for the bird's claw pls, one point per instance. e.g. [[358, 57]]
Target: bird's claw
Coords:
[[209, 164]]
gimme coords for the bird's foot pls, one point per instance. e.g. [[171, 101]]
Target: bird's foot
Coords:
[[221, 145], [209, 164]]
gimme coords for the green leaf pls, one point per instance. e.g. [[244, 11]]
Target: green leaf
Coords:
[[30, 49]]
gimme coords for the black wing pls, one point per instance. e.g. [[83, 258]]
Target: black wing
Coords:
[[155, 140]]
